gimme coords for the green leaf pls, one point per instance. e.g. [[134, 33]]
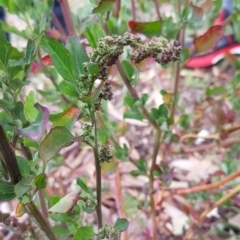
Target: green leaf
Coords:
[[31, 51], [86, 233], [142, 165], [184, 55], [6, 191], [128, 69], [136, 173], [78, 55], [67, 118], [215, 91], [60, 56], [90, 38], [129, 101], [144, 98], [60, 231], [133, 114], [121, 224], [121, 153], [23, 186], [82, 185], [41, 181], [150, 29], [104, 6], [4, 118], [4, 104], [29, 109], [88, 210], [163, 111], [18, 112], [69, 89], [93, 68], [23, 166], [57, 138], [5, 48], [67, 203]]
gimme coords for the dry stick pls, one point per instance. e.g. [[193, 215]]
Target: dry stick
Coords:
[[204, 187], [157, 9], [67, 16], [229, 195], [133, 8]]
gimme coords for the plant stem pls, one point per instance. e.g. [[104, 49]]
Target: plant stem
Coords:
[[226, 197], [117, 8], [9, 157], [133, 9], [42, 202], [59, 27], [67, 16], [98, 172], [151, 181], [133, 92], [157, 9], [43, 225], [205, 187]]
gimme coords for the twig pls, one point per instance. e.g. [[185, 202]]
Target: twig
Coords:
[[43, 225], [67, 16], [133, 92], [177, 66], [226, 197], [157, 9], [42, 202], [205, 187], [117, 8], [9, 157], [59, 26], [133, 9]]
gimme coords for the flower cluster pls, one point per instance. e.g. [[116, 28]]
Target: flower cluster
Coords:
[[108, 50], [106, 153], [160, 49], [87, 133], [109, 232], [106, 94], [89, 202]]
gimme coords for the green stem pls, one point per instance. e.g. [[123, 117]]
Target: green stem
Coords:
[[98, 172], [43, 225], [151, 181]]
